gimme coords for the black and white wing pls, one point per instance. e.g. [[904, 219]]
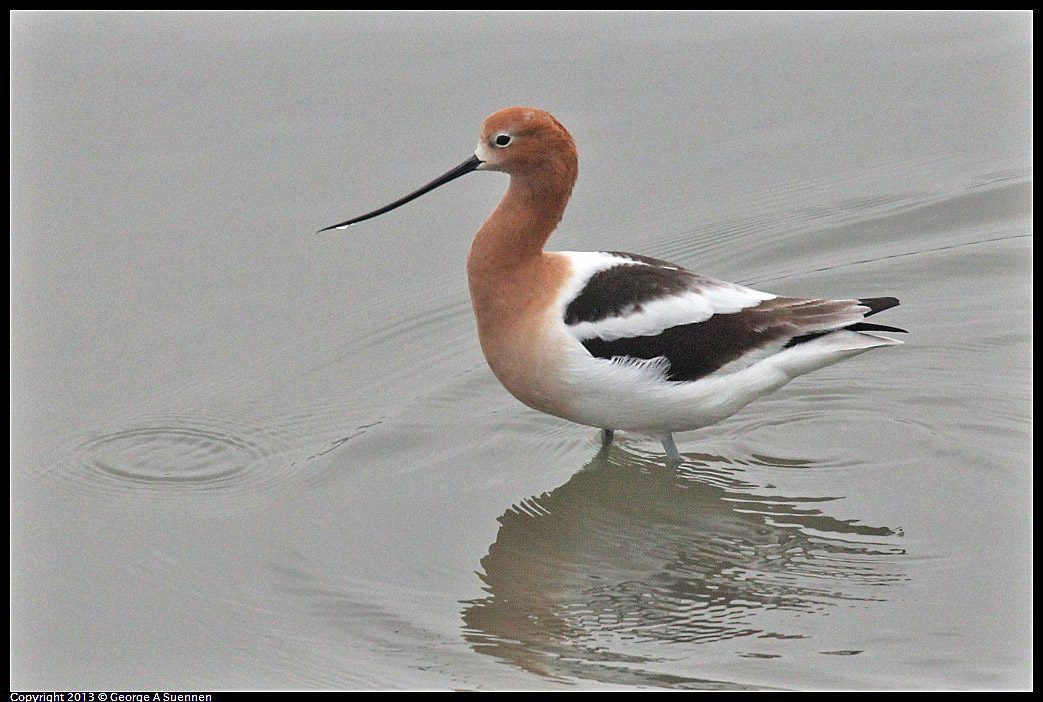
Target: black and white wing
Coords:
[[630, 307]]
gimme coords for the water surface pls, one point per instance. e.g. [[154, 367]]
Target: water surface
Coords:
[[246, 456]]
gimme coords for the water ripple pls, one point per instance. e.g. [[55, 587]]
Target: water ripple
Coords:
[[631, 552], [240, 460]]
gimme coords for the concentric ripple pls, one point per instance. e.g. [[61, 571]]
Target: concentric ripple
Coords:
[[227, 456], [170, 455]]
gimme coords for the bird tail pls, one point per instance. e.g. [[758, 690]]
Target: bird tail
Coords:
[[829, 348]]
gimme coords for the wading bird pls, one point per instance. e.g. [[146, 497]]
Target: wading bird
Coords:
[[617, 340]]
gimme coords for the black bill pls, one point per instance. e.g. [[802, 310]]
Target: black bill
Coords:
[[464, 168]]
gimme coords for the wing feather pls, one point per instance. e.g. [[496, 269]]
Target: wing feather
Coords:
[[637, 308]]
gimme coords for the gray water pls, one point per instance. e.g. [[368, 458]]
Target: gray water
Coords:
[[247, 456]]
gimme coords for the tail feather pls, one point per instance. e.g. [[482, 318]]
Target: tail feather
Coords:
[[875, 304], [869, 326], [826, 349], [878, 304]]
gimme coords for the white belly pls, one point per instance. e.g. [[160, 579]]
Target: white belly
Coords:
[[635, 395]]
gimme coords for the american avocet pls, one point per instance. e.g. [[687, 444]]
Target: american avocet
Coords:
[[617, 340]]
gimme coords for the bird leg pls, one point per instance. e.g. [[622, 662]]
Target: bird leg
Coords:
[[671, 448]]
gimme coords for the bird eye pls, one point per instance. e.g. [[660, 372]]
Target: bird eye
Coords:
[[502, 139]]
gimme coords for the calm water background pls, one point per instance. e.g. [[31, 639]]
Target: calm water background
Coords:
[[247, 456]]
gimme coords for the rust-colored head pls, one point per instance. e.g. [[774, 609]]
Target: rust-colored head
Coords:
[[523, 140], [526, 142]]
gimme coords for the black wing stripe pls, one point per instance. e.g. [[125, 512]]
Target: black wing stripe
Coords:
[[623, 289], [698, 349]]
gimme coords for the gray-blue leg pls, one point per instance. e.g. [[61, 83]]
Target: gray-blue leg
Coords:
[[671, 448], [606, 436]]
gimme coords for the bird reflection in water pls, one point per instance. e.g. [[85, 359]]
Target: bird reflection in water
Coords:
[[630, 552]]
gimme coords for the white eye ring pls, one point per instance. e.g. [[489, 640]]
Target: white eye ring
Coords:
[[502, 140]]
